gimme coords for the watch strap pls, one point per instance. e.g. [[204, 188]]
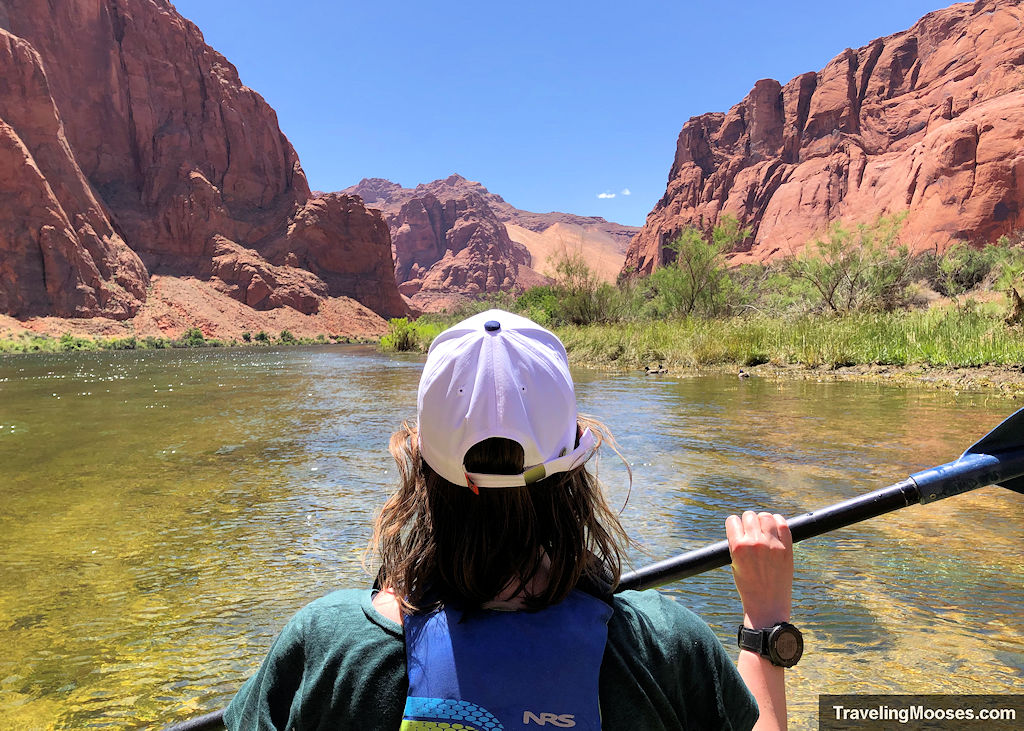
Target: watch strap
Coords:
[[755, 640]]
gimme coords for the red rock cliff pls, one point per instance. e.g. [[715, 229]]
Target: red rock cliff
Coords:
[[454, 239], [928, 120], [449, 246], [455, 249], [133, 149]]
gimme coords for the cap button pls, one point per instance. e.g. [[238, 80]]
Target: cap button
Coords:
[[492, 326]]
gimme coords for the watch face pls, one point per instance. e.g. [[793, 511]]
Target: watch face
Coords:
[[788, 646]]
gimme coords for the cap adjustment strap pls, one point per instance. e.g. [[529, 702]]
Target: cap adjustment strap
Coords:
[[535, 474], [562, 463]]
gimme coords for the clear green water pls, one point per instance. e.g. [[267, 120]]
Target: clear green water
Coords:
[[162, 514]]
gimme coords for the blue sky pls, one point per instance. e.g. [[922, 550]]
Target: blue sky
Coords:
[[568, 106]]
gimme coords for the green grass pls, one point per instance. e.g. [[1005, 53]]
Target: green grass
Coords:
[[938, 337], [403, 335], [946, 338]]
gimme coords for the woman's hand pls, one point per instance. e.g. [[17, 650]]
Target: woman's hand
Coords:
[[762, 566]]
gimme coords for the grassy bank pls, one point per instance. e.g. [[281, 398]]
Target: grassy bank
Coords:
[[29, 342], [852, 297], [946, 338]]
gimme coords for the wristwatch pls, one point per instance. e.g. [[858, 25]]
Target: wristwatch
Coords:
[[782, 644]]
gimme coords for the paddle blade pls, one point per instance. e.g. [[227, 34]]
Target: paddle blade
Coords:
[[1006, 438]]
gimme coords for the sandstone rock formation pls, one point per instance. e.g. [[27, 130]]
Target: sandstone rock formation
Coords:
[[929, 121], [448, 245], [497, 246], [130, 148], [59, 252]]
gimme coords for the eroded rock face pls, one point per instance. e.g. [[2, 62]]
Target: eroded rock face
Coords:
[[147, 155], [59, 252], [456, 247], [390, 197], [348, 247], [448, 244], [453, 239], [929, 121]]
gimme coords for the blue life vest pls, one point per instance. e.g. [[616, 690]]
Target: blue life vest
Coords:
[[506, 671]]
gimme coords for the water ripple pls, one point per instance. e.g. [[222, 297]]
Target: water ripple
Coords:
[[166, 512]]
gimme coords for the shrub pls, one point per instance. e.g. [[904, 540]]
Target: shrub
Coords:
[[696, 280], [540, 304], [958, 270], [129, 343], [575, 288], [403, 335], [70, 342], [399, 337], [865, 268], [287, 338]]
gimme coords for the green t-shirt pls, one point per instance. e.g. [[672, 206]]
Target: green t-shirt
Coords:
[[340, 664]]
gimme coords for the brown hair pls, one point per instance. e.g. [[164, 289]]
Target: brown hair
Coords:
[[440, 543]]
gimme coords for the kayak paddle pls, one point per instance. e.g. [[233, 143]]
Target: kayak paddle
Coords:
[[995, 459]]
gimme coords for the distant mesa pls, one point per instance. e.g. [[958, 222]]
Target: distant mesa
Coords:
[[454, 240], [131, 153], [929, 120]]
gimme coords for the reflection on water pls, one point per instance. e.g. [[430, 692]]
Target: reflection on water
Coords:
[[165, 512]]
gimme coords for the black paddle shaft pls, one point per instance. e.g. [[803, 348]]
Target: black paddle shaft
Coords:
[[808, 525], [996, 459]]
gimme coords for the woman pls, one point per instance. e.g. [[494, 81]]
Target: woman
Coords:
[[493, 606]]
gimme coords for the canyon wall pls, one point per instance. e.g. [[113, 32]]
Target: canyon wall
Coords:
[[453, 240], [129, 149], [929, 121]]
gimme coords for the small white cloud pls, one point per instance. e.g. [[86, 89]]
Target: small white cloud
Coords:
[[627, 191], [605, 195]]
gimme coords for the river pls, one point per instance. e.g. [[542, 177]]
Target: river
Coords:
[[165, 512]]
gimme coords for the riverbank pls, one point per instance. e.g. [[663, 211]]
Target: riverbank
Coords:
[[176, 305], [949, 348], [945, 348], [26, 341], [1004, 380]]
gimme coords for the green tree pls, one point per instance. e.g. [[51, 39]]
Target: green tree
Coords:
[[576, 285], [863, 268], [696, 281]]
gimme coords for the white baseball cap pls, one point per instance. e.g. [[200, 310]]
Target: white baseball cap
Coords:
[[499, 375]]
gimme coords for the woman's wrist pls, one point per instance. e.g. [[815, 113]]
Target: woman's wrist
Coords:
[[761, 620]]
